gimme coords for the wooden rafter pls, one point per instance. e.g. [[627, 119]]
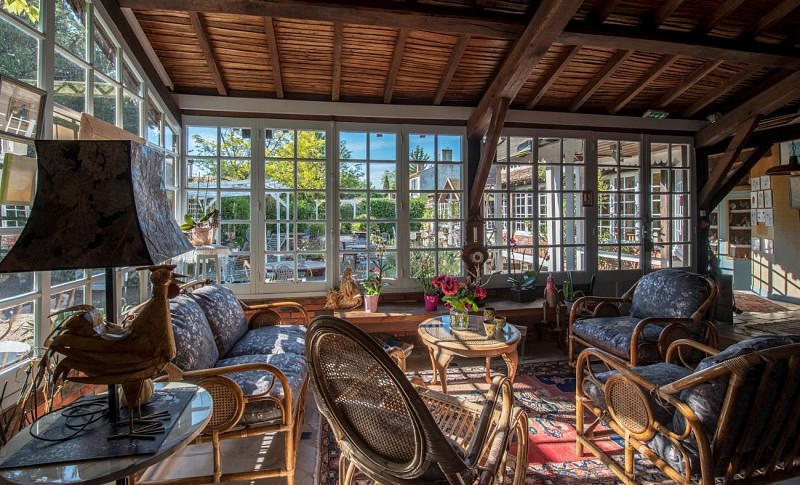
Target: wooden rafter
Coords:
[[638, 86], [397, 60], [687, 83], [544, 27], [208, 51], [764, 103], [336, 77], [487, 154], [724, 164], [594, 84], [274, 58], [450, 70], [493, 25], [545, 86], [608, 7], [718, 91], [734, 178], [665, 10], [726, 8], [772, 17]]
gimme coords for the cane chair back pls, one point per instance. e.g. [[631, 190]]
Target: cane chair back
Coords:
[[385, 427]]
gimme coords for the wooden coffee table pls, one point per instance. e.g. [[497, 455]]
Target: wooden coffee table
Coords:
[[445, 343]]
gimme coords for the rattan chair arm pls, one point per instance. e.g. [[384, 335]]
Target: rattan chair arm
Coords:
[[638, 330], [194, 284], [285, 402], [675, 347], [277, 304], [584, 364], [580, 304], [501, 391]]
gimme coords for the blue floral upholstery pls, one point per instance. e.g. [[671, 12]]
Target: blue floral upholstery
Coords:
[[613, 334], [257, 382], [193, 338], [670, 293], [224, 313], [277, 339]]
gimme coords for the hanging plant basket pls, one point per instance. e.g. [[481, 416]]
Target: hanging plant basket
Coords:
[[201, 235]]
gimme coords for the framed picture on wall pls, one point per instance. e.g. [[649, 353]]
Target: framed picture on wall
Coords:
[[765, 183], [794, 192], [760, 199], [753, 199], [21, 109], [18, 185], [768, 199], [755, 183]]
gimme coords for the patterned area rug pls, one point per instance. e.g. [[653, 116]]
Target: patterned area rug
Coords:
[[748, 302], [786, 327], [547, 392]]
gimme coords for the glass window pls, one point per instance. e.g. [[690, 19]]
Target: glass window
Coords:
[[669, 206], [27, 11], [436, 173], [19, 55], [105, 53], [619, 200], [154, 119], [71, 26], [296, 216], [131, 113], [70, 83], [105, 100]]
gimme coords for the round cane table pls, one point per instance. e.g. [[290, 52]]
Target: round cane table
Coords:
[[444, 343]]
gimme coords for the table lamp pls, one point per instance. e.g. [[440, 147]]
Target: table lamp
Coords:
[[98, 204]]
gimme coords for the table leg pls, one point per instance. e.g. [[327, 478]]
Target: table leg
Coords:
[[433, 365], [440, 360], [488, 363], [512, 360]]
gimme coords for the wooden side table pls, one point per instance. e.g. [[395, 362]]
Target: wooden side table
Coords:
[[187, 427], [444, 343]]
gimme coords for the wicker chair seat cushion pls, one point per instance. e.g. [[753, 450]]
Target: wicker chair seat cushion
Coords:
[[671, 293], [660, 374], [706, 399], [193, 338], [278, 339], [613, 334], [256, 382], [224, 313]]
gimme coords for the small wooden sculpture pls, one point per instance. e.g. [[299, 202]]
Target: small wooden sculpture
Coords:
[[551, 292], [347, 296]]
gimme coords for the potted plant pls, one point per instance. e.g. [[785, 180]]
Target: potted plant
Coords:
[[201, 231], [430, 293], [568, 292], [522, 290], [461, 297], [372, 286]]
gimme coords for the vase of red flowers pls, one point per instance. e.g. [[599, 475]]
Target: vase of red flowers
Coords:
[[461, 297]]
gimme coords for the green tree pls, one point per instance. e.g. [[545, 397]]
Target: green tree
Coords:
[[22, 7], [418, 156]]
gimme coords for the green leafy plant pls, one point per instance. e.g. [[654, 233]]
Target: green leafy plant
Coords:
[[527, 279], [374, 282], [427, 286], [568, 291], [211, 218]]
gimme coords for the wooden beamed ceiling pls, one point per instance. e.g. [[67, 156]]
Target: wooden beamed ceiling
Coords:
[[691, 58]]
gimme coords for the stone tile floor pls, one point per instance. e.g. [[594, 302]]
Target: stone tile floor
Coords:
[[241, 454]]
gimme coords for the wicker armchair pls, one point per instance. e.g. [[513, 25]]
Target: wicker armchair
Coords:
[[665, 306], [735, 418], [397, 434]]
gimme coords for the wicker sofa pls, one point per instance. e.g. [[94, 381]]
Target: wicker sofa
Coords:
[[253, 367]]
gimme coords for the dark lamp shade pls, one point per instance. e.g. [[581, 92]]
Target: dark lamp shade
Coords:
[[99, 204], [791, 168]]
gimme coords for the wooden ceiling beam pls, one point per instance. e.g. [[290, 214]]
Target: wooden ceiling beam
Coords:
[[772, 17], [764, 103], [720, 13], [208, 51], [667, 8], [483, 23], [488, 154], [545, 86], [336, 75], [608, 7], [718, 91], [397, 60], [734, 178], [594, 84], [450, 70], [724, 164], [638, 86], [687, 83], [544, 27], [274, 58]]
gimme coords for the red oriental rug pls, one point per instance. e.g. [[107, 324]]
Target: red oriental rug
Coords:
[[750, 302], [547, 392]]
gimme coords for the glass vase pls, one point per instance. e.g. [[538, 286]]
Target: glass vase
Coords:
[[459, 320]]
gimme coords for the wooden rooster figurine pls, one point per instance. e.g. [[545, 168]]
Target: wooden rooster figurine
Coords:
[[126, 354]]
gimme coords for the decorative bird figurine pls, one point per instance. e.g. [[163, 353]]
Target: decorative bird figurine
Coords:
[[127, 354], [551, 292]]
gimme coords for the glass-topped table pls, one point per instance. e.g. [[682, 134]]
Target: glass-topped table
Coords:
[[186, 427], [444, 343]]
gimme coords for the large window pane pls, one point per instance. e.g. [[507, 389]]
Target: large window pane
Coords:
[[131, 113], [19, 54], [70, 84], [105, 100], [105, 53], [71, 26]]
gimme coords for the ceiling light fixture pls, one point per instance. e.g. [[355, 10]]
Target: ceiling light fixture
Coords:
[[791, 168]]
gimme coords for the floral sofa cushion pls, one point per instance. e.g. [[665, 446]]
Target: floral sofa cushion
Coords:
[[193, 338], [277, 339], [224, 313], [670, 293], [256, 382], [613, 334]]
